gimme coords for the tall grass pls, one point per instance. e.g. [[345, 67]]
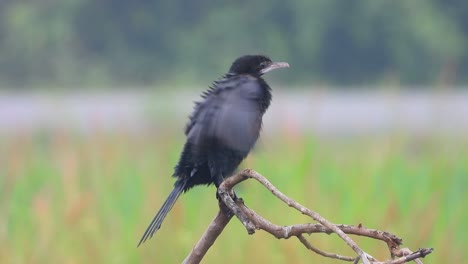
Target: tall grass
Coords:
[[66, 198]]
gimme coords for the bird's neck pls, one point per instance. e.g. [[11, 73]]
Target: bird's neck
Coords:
[[266, 99]]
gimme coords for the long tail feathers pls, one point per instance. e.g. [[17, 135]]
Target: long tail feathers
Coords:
[[166, 207]]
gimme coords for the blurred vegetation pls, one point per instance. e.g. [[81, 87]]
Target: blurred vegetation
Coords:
[[76, 43], [66, 198]]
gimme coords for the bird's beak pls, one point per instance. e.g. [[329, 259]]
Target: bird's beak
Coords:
[[273, 66]]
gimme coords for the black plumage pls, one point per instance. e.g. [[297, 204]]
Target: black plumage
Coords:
[[222, 129]]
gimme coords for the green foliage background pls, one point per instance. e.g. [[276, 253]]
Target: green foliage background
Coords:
[[66, 197], [72, 199], [76, 43]]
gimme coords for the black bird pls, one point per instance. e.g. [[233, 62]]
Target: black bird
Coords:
[[222, 129]]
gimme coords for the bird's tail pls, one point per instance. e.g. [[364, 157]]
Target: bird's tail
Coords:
[[166, 207]]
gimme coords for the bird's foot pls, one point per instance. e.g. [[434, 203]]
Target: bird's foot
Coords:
[[223, 206], [234, 196]]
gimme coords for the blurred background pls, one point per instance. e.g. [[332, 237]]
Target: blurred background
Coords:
[[369, 125]]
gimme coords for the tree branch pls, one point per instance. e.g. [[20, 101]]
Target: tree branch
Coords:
[[209, 237], [252, 221]]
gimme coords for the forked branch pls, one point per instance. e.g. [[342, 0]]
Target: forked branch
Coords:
[[252, 221]]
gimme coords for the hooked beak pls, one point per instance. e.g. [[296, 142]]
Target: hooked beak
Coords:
[[273, 66]]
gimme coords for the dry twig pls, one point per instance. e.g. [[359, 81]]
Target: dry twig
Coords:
[[252, 221], [209, 237]]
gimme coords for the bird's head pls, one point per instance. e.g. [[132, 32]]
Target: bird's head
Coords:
[[256, 65]]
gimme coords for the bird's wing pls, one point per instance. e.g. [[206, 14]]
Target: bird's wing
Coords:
[[230, 113]]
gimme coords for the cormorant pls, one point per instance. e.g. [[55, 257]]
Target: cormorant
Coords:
[[222, 129]]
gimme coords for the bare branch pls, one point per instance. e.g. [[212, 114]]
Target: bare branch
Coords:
[[252, 221], [248, 173], [322, 253], [209, 237], [229, 202]]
